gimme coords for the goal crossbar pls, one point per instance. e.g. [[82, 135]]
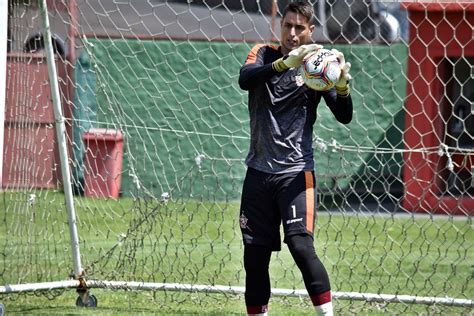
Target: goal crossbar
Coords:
[[179, 287]]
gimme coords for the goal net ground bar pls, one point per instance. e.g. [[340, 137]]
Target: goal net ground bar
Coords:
[[152, 286]]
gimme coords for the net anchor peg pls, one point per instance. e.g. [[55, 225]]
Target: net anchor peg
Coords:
[[85, 298]]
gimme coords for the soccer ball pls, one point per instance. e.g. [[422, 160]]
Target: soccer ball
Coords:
[[320, 70]]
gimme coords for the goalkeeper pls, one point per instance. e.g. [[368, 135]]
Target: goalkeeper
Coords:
[[279, 185]]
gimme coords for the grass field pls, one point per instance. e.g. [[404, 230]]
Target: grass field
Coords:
[[199, 243]]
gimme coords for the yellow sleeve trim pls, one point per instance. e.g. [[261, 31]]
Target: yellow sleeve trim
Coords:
[[343, 91], [279, 66]]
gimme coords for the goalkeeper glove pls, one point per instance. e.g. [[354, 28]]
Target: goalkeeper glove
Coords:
[[294, 58], [342, 85]]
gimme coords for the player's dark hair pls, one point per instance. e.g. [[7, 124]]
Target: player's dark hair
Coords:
[[302, 7]]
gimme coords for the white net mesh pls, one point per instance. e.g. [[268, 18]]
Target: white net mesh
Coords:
[[155, 83]]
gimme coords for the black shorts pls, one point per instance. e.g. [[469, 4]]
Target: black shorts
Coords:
[[271, 199]]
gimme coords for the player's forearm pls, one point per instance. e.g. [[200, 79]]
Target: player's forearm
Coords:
[[343, 112], [341, 106], [252, 75]]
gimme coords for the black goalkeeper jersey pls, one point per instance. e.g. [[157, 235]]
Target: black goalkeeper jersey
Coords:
[[282, 113]]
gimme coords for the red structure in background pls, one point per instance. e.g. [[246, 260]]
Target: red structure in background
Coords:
[[30, 154], [439, 32], [31, 157]]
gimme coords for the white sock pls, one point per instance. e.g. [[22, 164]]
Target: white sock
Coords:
[[324, 309], [261, 314]]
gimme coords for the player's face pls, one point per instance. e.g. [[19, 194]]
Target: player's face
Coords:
[[295, 31]]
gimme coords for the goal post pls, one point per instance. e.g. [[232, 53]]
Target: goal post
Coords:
[[60, 127], [139, 188]]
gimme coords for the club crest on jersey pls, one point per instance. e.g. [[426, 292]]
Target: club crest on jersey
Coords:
[[243, 222], [299, 80]]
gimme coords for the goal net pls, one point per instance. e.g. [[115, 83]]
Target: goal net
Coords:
[[157, 131]]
